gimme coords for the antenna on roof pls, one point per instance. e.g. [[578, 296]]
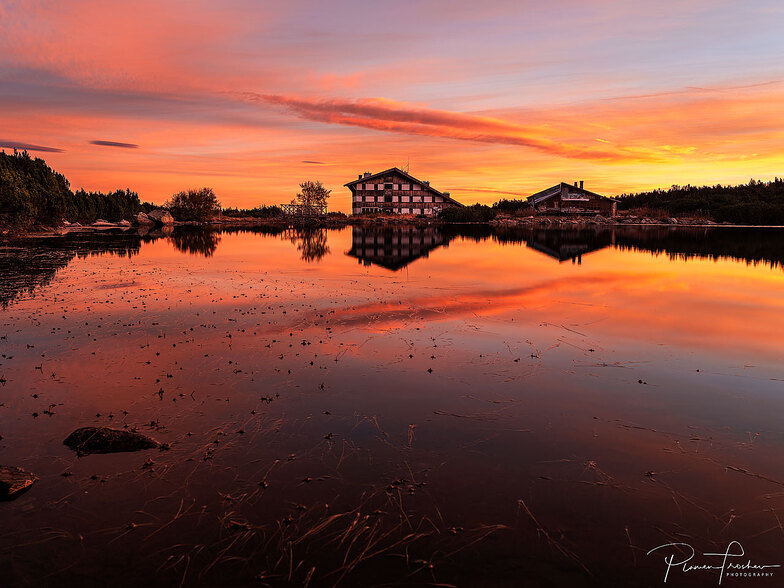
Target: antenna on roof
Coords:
[[407, 165]]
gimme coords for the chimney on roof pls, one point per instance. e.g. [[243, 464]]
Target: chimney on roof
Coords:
[[581, 184], [426, 182], [360, 177], [575, 183], [368, 174]]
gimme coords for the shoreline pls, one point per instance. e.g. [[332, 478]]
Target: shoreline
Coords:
[[548, 222]]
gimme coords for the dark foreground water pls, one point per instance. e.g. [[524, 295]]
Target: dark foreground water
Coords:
[[397, 406]]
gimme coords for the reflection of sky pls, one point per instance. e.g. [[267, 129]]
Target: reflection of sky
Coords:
[[509, 96], [536, 370]]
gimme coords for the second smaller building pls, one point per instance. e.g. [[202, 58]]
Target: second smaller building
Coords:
[[566, 199]]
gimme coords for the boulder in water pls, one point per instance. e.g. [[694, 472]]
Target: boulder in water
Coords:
[[144, 220], [161, 217], [14, 481], [104, 440]]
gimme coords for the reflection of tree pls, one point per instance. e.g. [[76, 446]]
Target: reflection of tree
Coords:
[[197, 241], [310, 242], [32, 264]]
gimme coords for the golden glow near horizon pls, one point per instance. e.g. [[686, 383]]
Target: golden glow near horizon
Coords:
[[485, 102]]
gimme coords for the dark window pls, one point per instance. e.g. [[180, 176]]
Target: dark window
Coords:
[[387, 186]]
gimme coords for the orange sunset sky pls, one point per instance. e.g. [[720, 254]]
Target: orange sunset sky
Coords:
[[485, 99]]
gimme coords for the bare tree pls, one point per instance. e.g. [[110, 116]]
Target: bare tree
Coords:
[[312, 194]]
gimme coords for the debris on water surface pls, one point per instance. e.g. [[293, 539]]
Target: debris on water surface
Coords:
[[105, 440], [14, 481]]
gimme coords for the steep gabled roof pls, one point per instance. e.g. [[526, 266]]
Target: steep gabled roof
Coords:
[[545, 194], [555, 190], [407, 176]]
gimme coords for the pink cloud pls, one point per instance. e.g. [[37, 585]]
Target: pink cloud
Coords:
[[399, 117]]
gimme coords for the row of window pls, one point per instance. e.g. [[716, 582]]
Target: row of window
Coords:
[[388, 187], [358, 198], [425, 211], [381, 242]]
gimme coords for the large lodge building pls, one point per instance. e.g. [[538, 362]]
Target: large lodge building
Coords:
[[395, 191]]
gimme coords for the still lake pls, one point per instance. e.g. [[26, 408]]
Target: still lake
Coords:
[[395, 405]]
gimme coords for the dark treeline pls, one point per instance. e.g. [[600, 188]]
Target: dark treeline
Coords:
[[512, 206], [481, 213], [86, 207], [258, 212], [755, 203], [477, 213], [33, 193]]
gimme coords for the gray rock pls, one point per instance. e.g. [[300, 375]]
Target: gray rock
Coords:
[[161, 217], [104, 440], [600, 219], [14, 481], [144, 220], [124, 223]]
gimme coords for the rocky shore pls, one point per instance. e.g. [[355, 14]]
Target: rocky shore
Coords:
[[582, 221], [162, 220]]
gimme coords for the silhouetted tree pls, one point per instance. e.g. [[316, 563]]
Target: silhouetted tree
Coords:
[[194, 205], [312, 194]]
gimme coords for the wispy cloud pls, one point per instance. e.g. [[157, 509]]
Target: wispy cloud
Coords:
[[115, 144], [382, 114], [28, 147]]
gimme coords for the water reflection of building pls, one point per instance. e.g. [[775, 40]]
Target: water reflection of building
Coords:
[[570, 244], [394, 247]]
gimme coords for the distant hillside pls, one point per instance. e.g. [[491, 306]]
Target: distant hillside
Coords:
[[755, 203], [32, 193]]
